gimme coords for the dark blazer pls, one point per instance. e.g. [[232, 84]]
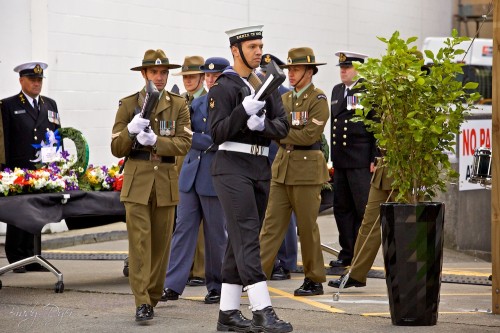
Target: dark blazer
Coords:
[[228, 122], [352, 146], [196, 167], [22, 127]]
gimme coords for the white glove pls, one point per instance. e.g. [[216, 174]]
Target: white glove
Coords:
[[256, 123], [147, 138], [252, 106], [137, 124]]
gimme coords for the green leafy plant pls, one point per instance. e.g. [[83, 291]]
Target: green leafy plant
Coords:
[[415, 113]]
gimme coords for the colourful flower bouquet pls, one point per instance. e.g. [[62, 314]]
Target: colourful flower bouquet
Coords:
[[59, 176], [328, 185], [101, 178]]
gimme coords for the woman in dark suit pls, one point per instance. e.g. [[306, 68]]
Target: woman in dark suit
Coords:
[[198, 201]]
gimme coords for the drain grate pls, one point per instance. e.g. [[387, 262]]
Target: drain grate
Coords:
[[445, 278], [84, 256]]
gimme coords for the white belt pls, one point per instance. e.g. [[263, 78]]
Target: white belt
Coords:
[[244, 148]]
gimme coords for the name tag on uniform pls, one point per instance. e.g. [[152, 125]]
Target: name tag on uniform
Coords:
[[335, 102], [53, 117], [19, 111]]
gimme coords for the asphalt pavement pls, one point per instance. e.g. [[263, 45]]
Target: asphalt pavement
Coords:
[[97, 297]]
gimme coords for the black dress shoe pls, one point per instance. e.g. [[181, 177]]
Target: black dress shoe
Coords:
[[266, 320], [233, 321], [212, 297], [169, 295], [340, 263], [309, 288], [21, 269], [144, 312], [195, 281], [350, 283], [279, 273], [36, 268]]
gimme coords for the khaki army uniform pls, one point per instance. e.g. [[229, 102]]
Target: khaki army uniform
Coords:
[[298, 172], [380, 191], [150, 189]]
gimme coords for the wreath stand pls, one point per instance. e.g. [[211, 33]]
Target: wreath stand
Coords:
[[82, 149]]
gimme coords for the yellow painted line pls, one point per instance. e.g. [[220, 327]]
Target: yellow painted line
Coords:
[[347, 294], [466, 273], [85, 252], [305, 300]]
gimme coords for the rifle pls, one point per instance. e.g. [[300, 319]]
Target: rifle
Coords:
[[150, 101], [274, 78]]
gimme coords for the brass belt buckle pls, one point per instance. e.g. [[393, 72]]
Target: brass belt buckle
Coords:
[[289, 146], [155, 157]]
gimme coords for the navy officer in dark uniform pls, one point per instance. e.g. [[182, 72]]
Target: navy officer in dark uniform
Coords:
[[353, 153], [241, 174], [26, 117]]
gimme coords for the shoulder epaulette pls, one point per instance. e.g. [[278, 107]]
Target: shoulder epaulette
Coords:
[[174, 94], [134, 95]]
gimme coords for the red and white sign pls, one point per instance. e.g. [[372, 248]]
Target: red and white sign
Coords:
[[475, 134]]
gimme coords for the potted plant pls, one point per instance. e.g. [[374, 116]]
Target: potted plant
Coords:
[[415, 113]]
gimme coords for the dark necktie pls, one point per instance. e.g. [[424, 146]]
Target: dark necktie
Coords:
[[35, 105], [347, 90]]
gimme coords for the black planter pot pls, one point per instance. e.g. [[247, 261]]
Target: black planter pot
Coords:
[[412, 238]]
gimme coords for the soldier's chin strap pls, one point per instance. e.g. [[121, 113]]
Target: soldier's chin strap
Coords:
[[243, 57], [304, 74]]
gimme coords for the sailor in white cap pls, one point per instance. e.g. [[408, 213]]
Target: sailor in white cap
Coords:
[[241, 177], [26, 117], [353, 153]]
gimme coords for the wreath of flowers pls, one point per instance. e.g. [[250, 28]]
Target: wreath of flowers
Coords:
[[82, 148], [65, 173]]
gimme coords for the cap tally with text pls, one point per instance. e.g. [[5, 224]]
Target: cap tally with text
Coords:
[[214, 65], [31, 69], [243, 34], [154, 58], [346, 57], [266, 59], [191, 65]]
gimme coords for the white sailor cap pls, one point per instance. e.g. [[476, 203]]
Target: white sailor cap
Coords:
[[243, 34], [32, 69], [347, 57]]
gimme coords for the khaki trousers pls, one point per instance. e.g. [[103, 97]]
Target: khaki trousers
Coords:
[[363, 259], [149, 234], [198, 269], [304, 200]]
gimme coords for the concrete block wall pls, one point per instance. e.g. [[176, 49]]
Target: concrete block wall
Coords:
[[90, 45]]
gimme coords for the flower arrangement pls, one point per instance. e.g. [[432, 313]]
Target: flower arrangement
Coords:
[[63, 173], [101, 178]]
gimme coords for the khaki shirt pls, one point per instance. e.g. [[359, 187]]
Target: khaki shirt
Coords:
[[307, 117], [140, 175]]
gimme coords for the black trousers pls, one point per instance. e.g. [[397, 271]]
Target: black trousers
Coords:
[[244, 202], [350, 195], [19, 244]]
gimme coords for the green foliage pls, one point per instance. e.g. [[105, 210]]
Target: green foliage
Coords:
[[82, 148], [417, 115]]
